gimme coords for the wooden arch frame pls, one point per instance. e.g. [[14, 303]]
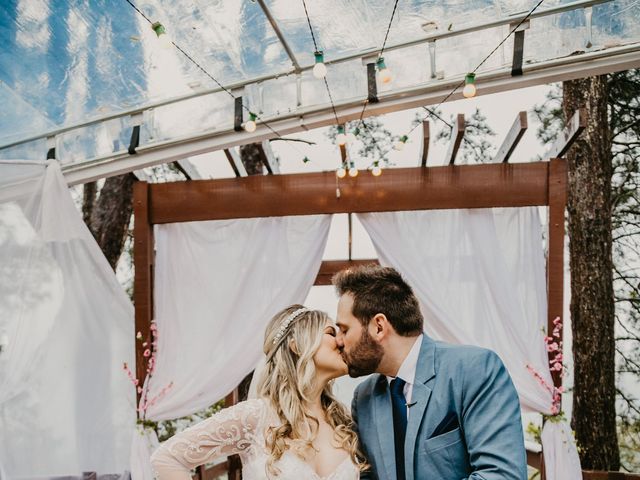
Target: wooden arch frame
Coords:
[[448, 187]]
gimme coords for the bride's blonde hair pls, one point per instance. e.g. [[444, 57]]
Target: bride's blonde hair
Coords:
[[289, 379]]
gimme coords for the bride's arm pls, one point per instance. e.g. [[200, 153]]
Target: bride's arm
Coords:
[[228, 432]]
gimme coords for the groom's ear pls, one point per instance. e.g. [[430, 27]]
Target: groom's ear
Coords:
[[380, 326]]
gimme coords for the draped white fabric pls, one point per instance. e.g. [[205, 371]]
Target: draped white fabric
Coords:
[[480, 278], [65, 404], [217, 284]]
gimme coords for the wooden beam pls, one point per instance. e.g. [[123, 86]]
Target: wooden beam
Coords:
[[512, 139], [268, 158], [534, 459], [143, 249], [456, 139], [573, 129], [329, 268], [425, 143], [555, 257], [465, 186], [235, 162]]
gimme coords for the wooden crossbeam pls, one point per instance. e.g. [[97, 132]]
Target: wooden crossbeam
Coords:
[[464, 186], [329, 268], [236, 163], [512, 139], [573, 129], [456, 140], [425, 143], [268, 157]]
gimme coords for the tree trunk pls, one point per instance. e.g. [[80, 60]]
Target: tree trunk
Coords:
[[109, 215], [592, 302], [250, 156]]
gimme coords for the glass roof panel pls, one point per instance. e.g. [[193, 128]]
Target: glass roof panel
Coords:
[[64, 63]]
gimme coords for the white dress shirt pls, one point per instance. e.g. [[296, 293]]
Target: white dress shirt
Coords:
[[407, 370]]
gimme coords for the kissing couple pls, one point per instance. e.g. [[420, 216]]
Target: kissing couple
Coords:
[[430, 411]]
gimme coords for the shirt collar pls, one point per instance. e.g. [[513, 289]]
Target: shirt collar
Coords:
[[407, 370]]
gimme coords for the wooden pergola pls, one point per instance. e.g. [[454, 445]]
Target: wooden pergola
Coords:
[[496, 184]]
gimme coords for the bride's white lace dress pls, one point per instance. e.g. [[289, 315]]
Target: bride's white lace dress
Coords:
[[239, 429]]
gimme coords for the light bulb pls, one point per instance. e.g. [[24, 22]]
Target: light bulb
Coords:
[[165, 41], [399, 145], [341, 138], [383, 71], [319, 69], [353, 172], [250, 125], [376, 171], [386, 76], [469, 89], [163, 38], [341, 172]]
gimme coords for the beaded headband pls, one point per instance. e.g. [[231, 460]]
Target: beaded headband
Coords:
[[282, 330]]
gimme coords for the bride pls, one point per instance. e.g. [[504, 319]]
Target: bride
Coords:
[[295, 429]]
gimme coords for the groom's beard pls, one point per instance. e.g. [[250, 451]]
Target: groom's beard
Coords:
[[365, 356]]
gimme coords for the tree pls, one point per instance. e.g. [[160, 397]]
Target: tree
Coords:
[[605, 257]]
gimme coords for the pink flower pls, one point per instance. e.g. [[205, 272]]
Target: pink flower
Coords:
[[146, 353], [153, 326], [559, 357], [552, 347], [557, 321], [139, 389], [561, 389], [557, 367], [139, 335]]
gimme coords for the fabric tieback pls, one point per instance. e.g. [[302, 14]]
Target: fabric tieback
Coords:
[[399, 409]]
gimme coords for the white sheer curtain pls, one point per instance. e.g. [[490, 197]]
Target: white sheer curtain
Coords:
[[217, 284], [66, 327], [480, 278]]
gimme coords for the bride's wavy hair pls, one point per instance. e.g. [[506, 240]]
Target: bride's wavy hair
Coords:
[[288, 380]]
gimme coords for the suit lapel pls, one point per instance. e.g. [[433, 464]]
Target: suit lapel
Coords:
[[383, 418], [425, 371]]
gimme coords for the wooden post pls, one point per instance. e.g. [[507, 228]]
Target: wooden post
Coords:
[[512, 139], [456, 139], [143, 257], [555, 259], [424, 154]]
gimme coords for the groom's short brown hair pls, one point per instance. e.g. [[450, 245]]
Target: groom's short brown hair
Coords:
[[377, 289]]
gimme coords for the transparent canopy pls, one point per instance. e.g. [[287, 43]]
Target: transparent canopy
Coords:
[[66, 63]]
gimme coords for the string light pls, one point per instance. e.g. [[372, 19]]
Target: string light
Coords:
[[341, 172], [383, 71], [250, 125], [319, 69], [399, 145], [376, 171], [353, 171], [341, 138], [163, 37], [469, 89]]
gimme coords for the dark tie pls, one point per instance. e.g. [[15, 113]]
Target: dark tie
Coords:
[[399, 409]]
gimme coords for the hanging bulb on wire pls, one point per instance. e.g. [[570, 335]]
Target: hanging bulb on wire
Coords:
[[319, 69], [353, 171], [341, 172], [399, 145], [163, 37], [341, 138], [469, 85], [383, 71], [376, 171], [250, 125]]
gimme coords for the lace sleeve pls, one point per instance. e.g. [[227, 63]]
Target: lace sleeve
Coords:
[[230, 431]]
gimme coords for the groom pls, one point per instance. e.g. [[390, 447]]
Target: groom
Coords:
[[435, 411]]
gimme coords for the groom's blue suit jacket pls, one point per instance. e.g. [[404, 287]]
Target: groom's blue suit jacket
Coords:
[[465, 422]]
